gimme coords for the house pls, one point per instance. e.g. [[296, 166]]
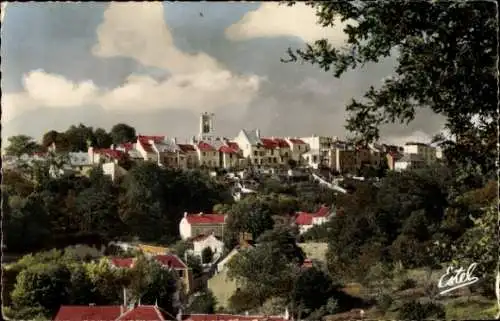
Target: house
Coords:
[[297, 148], [231, 155], [409, 161], [131, 150], [305, 220], [144, 146], [251, 146], [208, 156], [201, 223], [110, 313], [153, 250], [203, 241], [425, 151], [320, 147], [170, 261], [190, 155], [168, 153], [392, 157], [278, 151], [113, 170]]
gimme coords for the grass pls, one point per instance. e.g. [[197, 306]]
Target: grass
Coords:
[[222, 288], [315, 251]]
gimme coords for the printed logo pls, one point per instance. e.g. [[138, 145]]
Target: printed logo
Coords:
[[455, 278]]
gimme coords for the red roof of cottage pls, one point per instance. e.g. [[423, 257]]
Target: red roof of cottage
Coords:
[[170, 260], [111, 153], [186, 147], [146, 146], [156, 139], [322, 211], [143, 313], [205, 147], [297, 141], [127, 146], [227, 317], [281, 143], [203, 218], [122, 262], [227, 150], [88, 313], [304, 218], [268, 143]]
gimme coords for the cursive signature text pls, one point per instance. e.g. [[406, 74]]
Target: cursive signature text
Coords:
[[457, 278]]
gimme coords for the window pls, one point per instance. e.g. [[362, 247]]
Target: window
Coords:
[[272, 151], [204, 154], [214, 154], [255, 153], [181, 273]]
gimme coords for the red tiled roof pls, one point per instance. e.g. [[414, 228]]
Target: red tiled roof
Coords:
[[297, 141], [268, 143], [303, 218], [205, 218], [170, 260], [204, 147], [127, 146], [227, 150], [227, 317], [122, 262], [281, 143], [143, 313], [186, 147], [88, 313], [111, 153], [146, 146], [323, 211], [156, 139], [233, 145]]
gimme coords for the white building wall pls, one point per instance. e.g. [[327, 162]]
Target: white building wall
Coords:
[[184, 229]]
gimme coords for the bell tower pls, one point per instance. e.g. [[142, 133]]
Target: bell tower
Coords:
[[206, 126]]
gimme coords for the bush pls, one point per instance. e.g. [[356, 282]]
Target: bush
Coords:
[[204, 302], [384, 302], [207, 255], [407, 284], [419, 311]]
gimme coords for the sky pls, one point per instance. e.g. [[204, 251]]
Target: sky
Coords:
[[157, 66]]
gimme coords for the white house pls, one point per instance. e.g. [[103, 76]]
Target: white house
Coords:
[[201, 223], [203, 241], [305, 221], [425, 151]]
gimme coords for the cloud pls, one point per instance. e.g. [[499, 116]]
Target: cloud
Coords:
[[196, 82], [274, 20]]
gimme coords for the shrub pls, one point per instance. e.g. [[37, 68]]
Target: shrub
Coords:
[[407, 284], [414, 310]]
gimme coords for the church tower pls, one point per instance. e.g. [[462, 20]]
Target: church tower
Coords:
[[206, 126]]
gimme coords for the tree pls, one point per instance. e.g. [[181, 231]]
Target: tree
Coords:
[[276, 273], [20, 145], [446, 61], [207, 255], [102, 138], [122, 133], [283, 239], [312, 289], [414, 310], [43, 286], [203, 303], [79, 137]]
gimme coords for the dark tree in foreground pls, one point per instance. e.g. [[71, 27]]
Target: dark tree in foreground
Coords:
[[446, 61]]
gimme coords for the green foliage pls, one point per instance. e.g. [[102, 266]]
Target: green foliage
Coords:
[[311, 291], [275, 273], [203, 302], [122, 133], [42, 286], [427, 37], [20, 145], [414, 310], [194, 263]]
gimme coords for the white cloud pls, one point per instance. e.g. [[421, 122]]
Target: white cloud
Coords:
[[274, 20], [138, 31]]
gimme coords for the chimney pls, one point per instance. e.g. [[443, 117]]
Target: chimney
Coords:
[[185, 214], [91, 304], [200, 214], [174, 140], [113, 147], [257, 132], [246, 313], [286, 316]]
